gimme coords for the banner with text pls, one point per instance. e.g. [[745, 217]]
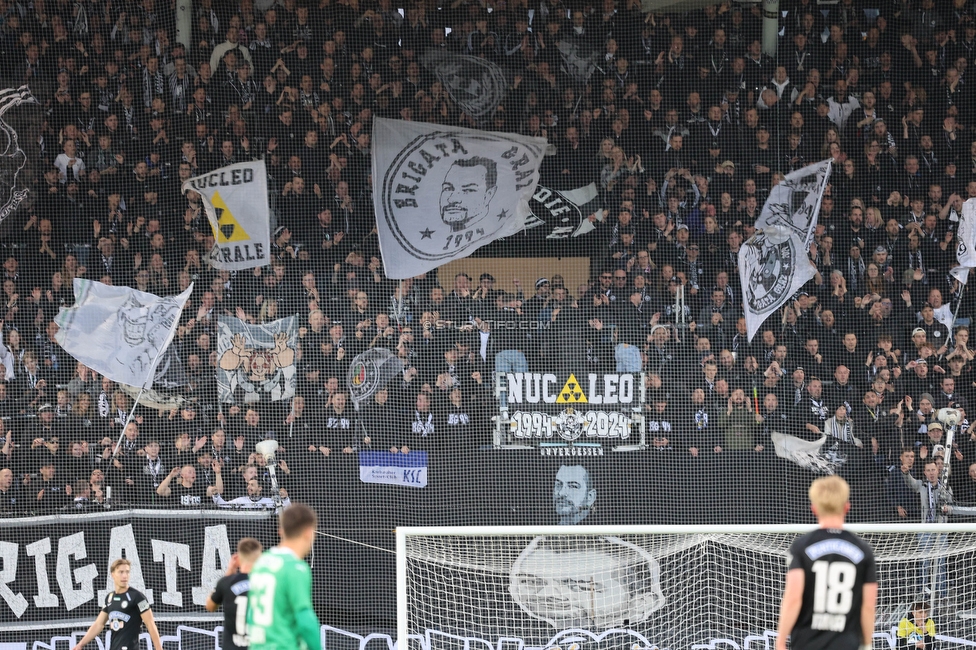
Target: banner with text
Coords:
[[387, 468], [559, 407], [235, 199], [58, 567]]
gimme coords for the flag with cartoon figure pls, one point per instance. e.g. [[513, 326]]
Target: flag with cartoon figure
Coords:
[[256, 363], [119, 332]]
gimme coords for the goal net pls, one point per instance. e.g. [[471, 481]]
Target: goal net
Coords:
[[641, 587]]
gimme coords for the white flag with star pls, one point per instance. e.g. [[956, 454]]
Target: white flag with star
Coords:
[[441, 193]]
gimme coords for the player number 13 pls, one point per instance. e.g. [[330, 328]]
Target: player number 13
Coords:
[[262, 599]]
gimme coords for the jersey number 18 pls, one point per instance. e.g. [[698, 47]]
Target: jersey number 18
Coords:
[[833, 594]]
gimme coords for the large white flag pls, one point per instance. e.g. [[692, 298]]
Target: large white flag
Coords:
[[119, 332], [966, 248], [773, 264], [235, 199], [794, 202], [805, 453], [440, 193]]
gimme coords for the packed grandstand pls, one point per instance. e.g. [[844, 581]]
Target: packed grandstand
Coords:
[[666, 133]]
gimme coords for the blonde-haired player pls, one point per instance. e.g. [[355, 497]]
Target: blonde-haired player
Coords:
[[126, 611], [832, 584]]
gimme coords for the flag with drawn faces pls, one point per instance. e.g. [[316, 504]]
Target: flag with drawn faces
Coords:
[[440, 193], [256, 363], [121, 333]]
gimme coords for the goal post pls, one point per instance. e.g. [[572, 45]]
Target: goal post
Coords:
[[637, 587]]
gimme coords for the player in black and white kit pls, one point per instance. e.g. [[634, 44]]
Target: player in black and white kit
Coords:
[[231, 592], [832, 584], [125, 612]]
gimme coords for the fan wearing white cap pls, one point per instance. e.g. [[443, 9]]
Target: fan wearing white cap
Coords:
[[538, 302], [935, 332]]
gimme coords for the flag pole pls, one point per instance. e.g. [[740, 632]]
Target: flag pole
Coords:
[[138, 395], [955, 313], [398, 305], [291, 425]]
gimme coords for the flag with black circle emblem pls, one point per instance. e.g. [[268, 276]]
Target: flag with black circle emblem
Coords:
[[475, 84], [773, 264], [441, 193], [966, 248]]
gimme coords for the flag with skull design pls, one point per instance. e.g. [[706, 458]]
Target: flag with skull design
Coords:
[[119, 332]]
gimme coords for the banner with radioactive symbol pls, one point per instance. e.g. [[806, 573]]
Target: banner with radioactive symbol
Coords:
[[589, 407], [235, 199]]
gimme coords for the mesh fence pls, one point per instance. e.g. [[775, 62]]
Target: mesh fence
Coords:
[[593, 367]]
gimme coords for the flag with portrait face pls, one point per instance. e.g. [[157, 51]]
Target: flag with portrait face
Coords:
[[440, 193]]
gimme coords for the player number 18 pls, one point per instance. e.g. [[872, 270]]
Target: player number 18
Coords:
[[833, 591]]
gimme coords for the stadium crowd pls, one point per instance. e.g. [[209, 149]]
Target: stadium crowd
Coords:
[[684, 126]]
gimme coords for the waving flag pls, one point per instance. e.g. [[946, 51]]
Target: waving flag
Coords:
[[369, 372], [119, 332], [794, 202], [579, 61], [440, 193], [13, 190], [564, 214], [773, 264], [235, 199], [475, 84], [966, 249]]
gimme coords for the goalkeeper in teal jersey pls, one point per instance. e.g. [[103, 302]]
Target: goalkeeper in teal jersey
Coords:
[[279, 604]]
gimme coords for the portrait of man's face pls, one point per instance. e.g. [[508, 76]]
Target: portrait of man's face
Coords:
[[588, 583], [468, 188], [573, 494]]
